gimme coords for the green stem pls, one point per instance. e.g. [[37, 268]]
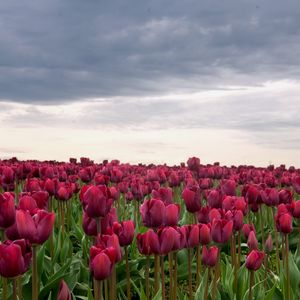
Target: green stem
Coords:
[[15, 288], [206, 285], [198, 265], [4, 288], [287, 266], [34, 273], [170, 257], [156, 273], [98, 221], [262, 226], [127, 275], [175, 276], [276, 242], [190, 273], [147, 278], [251, 285], [163, 289]]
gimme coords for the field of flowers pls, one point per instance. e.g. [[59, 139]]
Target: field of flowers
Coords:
[[85, 230]]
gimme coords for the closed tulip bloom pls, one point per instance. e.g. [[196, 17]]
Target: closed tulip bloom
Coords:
[[98, 201], [28, 203], [37, 228], [193, 163], [168, 237], [64, 292], [247, 228], [238, 219], [7, 210], [124, 231], [192, 235], [41, 198], [203, 215], [285, 196], [252, 241], [269, 244], [111, 240], [89, 225], [296, 209], [164, 194], [102, 262], [172, 214], [254, 260], [284, 223], [210, 256], [148, 243], [192, 199], [228, 187], [15, 258], [270, 196], [153, 213], [296, 184], [215, 214], [204, 234], [221, 230], [214, 199]]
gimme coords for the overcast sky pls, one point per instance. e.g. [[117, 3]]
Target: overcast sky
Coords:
[[151, 81]]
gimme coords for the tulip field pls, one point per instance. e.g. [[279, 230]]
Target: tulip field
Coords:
[[110, 230]]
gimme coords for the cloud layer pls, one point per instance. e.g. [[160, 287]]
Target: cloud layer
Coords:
[[61, 51]]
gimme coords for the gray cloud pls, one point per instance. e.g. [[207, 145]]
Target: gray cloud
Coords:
[[62, 51]]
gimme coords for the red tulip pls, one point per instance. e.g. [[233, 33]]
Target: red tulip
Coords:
[[98, 201], [228, 187], [252, 241], [89, 225], [124, 231], [296, 209], [284, 223], [192, 199], [15, 258], [254, 260], [37, 228], [204, 234], [28, 203], [192, 235], [172, 214], [64, 292], [102, 262], [221, 230], [153, 213], [7, 210], [214, 199], [41, 198], [296, 184], [247, 228], [148, 243], [210, 256], [269, 244], [193, 163], [168, 237], [164, 194]]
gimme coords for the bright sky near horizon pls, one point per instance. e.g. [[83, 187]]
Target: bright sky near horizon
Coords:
[[156, 82]]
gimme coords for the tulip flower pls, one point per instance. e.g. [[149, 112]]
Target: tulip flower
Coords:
[[210, 256], [221, 230], [296, 184], [64, 292], [204, 234], [192, 199], [148, 243], [252, 241], [254, 260], [97, 201], [172, 214], [153, 213], [15, 258], [269, 244], [36, 228], [214, 199], [164, 194], [284, 223], [102, 262], [124, 231], [28, 203], [7, 210]]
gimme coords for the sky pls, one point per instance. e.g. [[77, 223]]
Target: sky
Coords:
[[151, 81]]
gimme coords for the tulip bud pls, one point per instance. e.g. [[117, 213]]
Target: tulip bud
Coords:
[[153, 212], [254, 260], [204, 234], [124, 231], [221, 230], [64, 292], [7, 210], [210, 256], [15, 258], [172, 214], [192, 199], [252, 241], [269, 244], [148, 243], [284, 223]]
